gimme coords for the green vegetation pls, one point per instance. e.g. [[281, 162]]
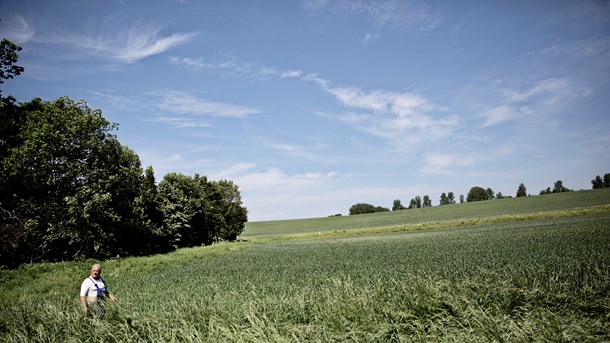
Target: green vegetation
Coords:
[[537, 271], [70, 190]]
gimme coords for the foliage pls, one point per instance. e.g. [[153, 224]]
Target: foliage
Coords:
[[477, 193], [599, 182], [447, 199], [70, 190], [427, 202], [362, 208], [8, 58], [397, 205], [521, 191], [558, 187]]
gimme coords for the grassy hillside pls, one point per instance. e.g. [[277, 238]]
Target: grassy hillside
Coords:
[[542, 273], [513, 207]]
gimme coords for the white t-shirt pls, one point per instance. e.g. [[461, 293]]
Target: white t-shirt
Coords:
[[88, 289]]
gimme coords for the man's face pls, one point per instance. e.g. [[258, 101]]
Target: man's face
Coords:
[[95, 272]]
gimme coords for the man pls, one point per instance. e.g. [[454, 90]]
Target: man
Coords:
[[93, 292]]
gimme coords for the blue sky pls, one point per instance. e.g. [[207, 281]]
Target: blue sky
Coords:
[[312, 106]]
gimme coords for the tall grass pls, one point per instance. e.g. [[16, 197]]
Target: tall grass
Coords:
[[540, 279]]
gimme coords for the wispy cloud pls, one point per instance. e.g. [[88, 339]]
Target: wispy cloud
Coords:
[[135, 43], [545, 96], [439, 163], [405, 120], [414, 15], [230, 66], [189, 103], [17, 29]]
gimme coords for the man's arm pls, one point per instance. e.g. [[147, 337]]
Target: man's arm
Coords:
[[83, 300]]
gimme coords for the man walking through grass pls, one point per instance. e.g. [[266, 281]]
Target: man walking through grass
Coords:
[[93, 292]]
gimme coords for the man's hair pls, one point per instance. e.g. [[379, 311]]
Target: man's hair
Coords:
[[96, 265]]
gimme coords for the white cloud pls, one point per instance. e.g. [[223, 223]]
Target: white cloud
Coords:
[[414, 15], [125, 45], [292, 73], [19, 30], [402, 119], [439, 163], [544, 97], [188, 103], [230, 66]]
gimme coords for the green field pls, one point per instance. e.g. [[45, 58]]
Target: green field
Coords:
[[512, 270]]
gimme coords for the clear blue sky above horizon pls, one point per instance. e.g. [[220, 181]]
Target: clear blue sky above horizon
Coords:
[[312, 106]]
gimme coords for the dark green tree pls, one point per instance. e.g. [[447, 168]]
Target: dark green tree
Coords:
[[597, 182], [362, 208], [69, 182], [490, 194], [558, 187], [397, 205], [477, 193], [8, 58], [444, 199], [427, 202], [521, 191], [234, 214]]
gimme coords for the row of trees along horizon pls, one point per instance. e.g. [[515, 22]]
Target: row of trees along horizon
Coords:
[[69, 189], [475, 193]]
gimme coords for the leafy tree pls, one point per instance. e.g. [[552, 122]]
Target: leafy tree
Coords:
[[477, 193], [521, 191], [462, 199], [490, 194], [397, 205], [427, 202], [597, 182], [362, 208], [559, 187], [444, 200], [69, 182], [415, 202], [234, 214], [8, 58], [188, 211]]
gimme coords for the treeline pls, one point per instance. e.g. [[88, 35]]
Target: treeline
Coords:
[[70, 190], [475, 193]]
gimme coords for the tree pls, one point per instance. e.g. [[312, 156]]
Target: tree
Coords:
[[450, 198], [444, 200], [477, 193], [521, 191], [559, 187], [597, 182], [68, 180], [235, 215], [415, 202], [361, 208], [8, 58], [462, 199], [397, 205], [427, 202], [490, 194]]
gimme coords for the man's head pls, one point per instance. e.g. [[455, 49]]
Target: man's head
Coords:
[[96, 270]]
